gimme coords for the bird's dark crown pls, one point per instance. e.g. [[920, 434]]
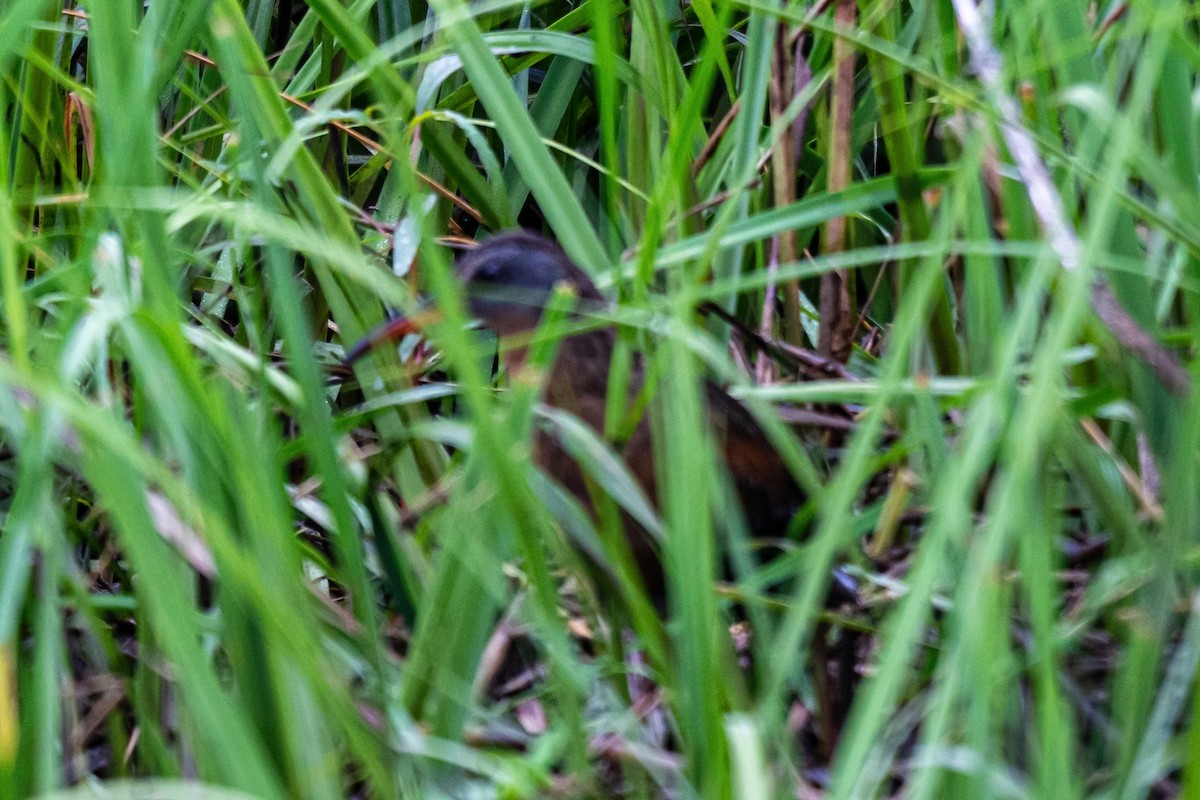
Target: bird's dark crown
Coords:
[[509, 279]]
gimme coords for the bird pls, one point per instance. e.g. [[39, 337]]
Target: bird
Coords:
[[507, 281]]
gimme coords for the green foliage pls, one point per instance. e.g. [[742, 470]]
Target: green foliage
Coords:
[[226, 560]]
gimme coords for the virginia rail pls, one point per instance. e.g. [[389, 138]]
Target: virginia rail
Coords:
[[508, 280]]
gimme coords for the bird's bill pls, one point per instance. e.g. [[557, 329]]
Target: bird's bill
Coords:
[[393, 330]]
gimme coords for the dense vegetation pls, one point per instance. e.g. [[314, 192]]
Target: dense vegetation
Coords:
[[948, 261]]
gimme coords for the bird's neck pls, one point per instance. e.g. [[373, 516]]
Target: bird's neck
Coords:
[[578, 379]]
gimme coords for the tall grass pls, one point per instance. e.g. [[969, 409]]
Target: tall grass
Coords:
[[226, 560]]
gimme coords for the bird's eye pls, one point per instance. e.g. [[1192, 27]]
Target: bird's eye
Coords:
[[490, 270]]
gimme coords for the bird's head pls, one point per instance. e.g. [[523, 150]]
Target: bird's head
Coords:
[[509, 279], [507, 282]]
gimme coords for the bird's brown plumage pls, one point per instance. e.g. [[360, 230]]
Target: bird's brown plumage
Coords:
[[532, 266]]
